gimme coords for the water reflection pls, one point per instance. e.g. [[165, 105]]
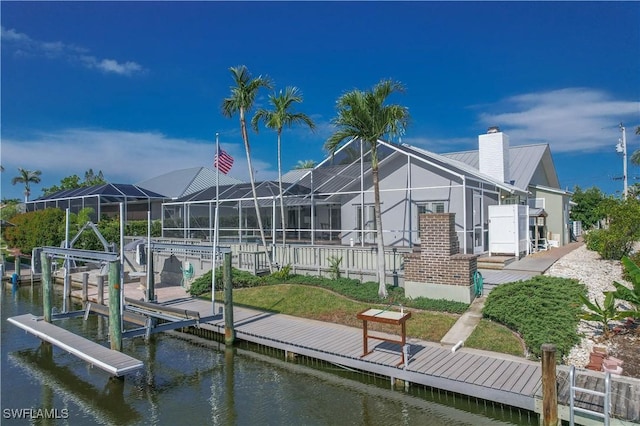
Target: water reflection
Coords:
[[104, 405]]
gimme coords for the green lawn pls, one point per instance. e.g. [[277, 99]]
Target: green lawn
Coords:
[[323, 305], [491, 336]]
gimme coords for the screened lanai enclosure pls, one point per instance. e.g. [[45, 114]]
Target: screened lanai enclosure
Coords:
[[104, 200], [333, 202]]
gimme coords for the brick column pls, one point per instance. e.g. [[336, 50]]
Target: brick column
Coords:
[[439, 262]]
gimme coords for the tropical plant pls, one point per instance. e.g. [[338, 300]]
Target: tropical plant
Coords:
[[27, 177], [276, 119], [363, 115], [240, 101], [334, 266], [73, 182], [631, 295], [603, 314], [635, 157], [305, 164]]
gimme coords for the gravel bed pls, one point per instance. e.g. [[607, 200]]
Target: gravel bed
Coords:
[[597, 275]]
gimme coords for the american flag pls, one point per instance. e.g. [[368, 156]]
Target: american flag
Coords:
[[222, 161]]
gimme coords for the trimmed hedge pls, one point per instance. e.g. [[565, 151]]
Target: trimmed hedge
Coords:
[[543, 310]]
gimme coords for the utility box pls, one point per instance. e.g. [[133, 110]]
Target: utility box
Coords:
[[508, 227]]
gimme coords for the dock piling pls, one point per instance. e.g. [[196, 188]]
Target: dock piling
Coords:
[[47, 286], [115, 330], [85, 287], [100, 285], [229, 332], [549, 387]]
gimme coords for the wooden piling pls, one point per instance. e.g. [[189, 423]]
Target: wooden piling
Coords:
[[85, 287], [47, 286], [549, 386], [151, 291], [115, 322], [229, 331], [100, 285], [16, 265]]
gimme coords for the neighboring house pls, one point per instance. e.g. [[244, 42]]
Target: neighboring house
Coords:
[[105, 200], [138, 199], [180, 183], [531, 168], [333, 202]]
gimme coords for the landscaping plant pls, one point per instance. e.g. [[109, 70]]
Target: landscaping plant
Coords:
[[603, 314], [542, 310], [631, 295]]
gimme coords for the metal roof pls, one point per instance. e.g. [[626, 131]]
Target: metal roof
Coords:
[[178, 183], [524, 160]]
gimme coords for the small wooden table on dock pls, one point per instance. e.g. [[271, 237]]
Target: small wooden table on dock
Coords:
[[384, 317]]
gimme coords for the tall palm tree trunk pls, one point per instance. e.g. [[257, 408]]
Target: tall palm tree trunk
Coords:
[[245, 137], [377, 213], [282, 221]]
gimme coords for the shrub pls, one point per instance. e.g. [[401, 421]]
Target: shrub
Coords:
[[543, 310], [283, 274], [609, 243], [624, 229], [36, 229], [239, 279]]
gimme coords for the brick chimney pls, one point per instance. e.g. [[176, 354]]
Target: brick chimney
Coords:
[[494, 154]]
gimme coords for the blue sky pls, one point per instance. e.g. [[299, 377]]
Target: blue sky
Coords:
[[134, 88]]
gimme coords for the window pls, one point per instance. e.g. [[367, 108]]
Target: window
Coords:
[[432, 207], [536, 203]]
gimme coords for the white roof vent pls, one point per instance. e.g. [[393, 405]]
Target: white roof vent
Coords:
[[493, 129]]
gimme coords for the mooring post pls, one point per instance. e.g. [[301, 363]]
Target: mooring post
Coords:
[[85, 287], [16, 265], [229, 332], [151, 291], [549, 387], [47, 287], [115, 332], [100, 286]]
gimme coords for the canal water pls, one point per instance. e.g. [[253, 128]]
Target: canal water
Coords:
[[193, 381]]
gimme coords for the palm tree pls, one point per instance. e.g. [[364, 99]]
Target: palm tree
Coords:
[[635, 157], [305, 164], [27, 177], [364, 116], [279, 117], [240, 101]]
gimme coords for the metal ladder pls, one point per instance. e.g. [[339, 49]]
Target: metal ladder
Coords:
[[605, 415]]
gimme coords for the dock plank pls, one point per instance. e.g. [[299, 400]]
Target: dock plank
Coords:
[[113, 362], [479, 374]]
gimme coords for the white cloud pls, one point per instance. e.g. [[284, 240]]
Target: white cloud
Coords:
[[123, 157], [26, 46], [571, 119]]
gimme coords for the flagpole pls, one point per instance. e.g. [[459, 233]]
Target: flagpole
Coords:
[[215, 229]]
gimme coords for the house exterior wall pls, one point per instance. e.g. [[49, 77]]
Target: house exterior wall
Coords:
[[557, 207], [400, 205]]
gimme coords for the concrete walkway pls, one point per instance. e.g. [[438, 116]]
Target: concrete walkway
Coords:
[[465, 325], [528, 266]]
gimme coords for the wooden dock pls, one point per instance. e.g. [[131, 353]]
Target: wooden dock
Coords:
[[484, 375], [114, 362]]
